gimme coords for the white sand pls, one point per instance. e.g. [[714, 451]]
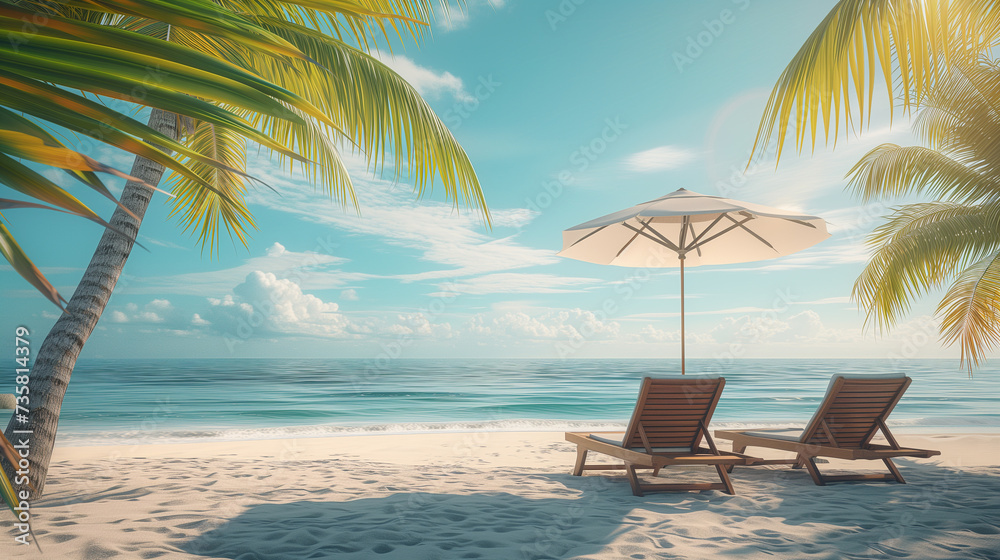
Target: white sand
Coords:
[[495, 496]]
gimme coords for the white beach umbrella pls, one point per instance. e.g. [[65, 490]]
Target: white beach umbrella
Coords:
[[685, 228]]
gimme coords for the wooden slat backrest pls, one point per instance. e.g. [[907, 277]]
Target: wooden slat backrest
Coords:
[[852, 410], [669, 410]]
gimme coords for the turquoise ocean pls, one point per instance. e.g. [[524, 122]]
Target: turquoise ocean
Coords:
[[115, 402]]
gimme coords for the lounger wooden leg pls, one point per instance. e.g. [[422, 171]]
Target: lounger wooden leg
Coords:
[[724, 475], [814, 471], [633, 479], [656, 471], [740, 449], [800, 461], [581, 460], [894, 470]]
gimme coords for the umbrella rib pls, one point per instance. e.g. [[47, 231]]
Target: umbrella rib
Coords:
[[800, 222], [663, 238], [725, 231], [685, 222], [586, 236], [662, 241], [696, 247], [694, 242], [625, 246], [745, 228]]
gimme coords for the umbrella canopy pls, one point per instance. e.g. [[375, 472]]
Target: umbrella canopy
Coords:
[[685, 228]]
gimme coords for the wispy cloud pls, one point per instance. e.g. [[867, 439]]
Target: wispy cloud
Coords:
[[729, 311], [435, 231], [825, 301], [429, 83], [517, 283], [565, 324], [312, 270], [459, 14], [829, 254], [800, 179], [659, 159]]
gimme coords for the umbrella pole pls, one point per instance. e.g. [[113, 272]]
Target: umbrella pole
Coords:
[[682, 315]]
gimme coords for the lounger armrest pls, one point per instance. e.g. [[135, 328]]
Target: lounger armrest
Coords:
[[742, 439], [881, 451], [584, 441], [706, 457]]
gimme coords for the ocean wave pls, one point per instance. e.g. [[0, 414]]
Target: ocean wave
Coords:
[[192, 435]]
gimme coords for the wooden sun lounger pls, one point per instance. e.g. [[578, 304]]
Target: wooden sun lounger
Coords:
[[854, 410], [671, 417]]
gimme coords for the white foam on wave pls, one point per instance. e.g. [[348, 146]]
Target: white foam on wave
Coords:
[[192, 435]]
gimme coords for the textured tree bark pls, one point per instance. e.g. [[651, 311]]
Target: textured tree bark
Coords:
[[55, 359]]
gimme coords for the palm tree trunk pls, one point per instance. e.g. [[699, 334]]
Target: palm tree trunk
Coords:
[[57, 356]]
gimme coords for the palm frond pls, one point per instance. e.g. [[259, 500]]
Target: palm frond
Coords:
[[969, 311], [202, 15], [364, 22], [890, 170], [11, 251], [202, 209], [380, 110], [862, 42], [919, 248]]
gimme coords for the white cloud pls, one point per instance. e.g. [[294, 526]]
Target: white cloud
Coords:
[[825, 301], [459, 14], [801, 178], [828, 254], [118, 317], [310, 269], [563, 324], [161, 243], [456, 18], [156, 311], [197, 321], [656, 315], [349, 295], [805, 327], [428, 83], [651, 334], [417, 325], [515, 283], [266, 305], [433, 230], [275, 250], [658, 159], [513, 218]]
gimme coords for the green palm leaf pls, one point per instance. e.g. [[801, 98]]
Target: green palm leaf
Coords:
[[890, 170], [385, 113], [202, 209], [79, 114], [23, 266], [203, 15], [862, 42], [969, 311], [920, 248]]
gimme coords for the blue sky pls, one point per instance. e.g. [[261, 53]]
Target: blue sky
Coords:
[[568, 109]]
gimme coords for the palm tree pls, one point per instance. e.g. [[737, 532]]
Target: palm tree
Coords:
[[334, 90], [955, 240], [928, 54]]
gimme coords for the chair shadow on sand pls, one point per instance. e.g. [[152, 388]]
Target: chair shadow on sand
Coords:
[[941, 513]]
